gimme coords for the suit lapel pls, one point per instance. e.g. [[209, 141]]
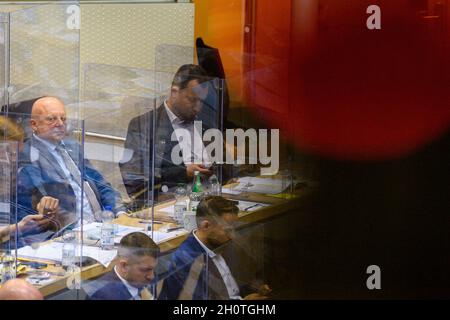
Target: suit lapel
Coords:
[[214, 282], [216, 285], [163, 134], [121, 292], [74, 151], [46, 160]]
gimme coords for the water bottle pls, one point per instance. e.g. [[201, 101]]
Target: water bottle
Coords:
[[7, 268], [107, 230], [214, 186], [196, 192], [68, 251], [180, 203]]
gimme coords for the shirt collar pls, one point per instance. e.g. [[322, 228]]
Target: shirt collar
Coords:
[[48, 144], [133, 290], [172, 117], [208, 251]]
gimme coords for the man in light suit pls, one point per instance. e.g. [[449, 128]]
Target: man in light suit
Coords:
[[52, 166], [198, 270], [133, 272], [185, 104]]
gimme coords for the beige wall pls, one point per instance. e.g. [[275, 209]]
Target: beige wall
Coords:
[[127, 35]]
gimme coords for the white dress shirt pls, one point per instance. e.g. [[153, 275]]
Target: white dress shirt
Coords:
[[87, 210], [224, 270], [134, 292], [197, 153]]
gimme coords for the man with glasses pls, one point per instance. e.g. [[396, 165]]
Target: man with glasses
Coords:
[[198, 270], [51, 165]]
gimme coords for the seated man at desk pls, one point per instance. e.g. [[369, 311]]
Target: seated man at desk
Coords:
[[136, 262], [179, 111], [49, 167], [198, 270]]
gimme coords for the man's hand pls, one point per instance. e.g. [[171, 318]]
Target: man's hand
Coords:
[[255, 296], [48, 206], [33, 223], [262, 294], [190, 168]]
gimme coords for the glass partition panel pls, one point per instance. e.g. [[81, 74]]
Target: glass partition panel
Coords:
[[54, 195], [40, 58], [116, 103], [4, 43], [8, 201], [9, 148], [189, 125], [168, 58], [44, 53], [184, 274]]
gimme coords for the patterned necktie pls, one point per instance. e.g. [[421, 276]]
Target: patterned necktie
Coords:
[[76, 176], [145, 294], [70, 164]]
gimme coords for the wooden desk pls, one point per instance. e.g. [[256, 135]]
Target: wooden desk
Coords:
[[277, 207]]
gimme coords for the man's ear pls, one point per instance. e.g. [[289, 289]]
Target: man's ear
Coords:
[[123, 264], [174, 91], [205, 224], [33, 124]]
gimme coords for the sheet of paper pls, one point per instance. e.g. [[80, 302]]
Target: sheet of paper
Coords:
[[53, 252], [230, 191], [159, 236], [89, 226], [124, 230], [250, 206], [93, 230], [170, 210], [261, 185], [105, 257]]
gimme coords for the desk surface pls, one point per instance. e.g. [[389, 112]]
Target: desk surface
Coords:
[[276, 207]]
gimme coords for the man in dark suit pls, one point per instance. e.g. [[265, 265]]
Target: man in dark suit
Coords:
[[133, 272], [198, 270], [188, 93], [52, 166]]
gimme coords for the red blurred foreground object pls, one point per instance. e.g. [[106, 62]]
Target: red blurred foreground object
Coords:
[[360, 94]]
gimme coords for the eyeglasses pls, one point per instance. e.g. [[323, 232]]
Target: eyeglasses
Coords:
[[54, 119]]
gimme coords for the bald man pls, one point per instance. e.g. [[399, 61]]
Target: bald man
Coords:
[[18, 289], [51, 165]]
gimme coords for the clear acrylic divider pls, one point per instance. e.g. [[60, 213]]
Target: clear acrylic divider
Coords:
[[40, 58]]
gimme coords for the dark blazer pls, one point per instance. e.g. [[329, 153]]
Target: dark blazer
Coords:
[[109, 287], [193, 276], [136, 166], [40, 175]]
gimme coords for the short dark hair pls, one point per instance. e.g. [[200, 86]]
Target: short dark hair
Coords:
[[187, 73], [215, 206], [138, 244]]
